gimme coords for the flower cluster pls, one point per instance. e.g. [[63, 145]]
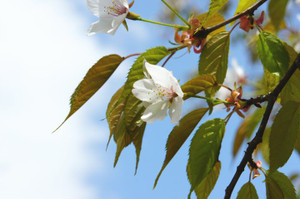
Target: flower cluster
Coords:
[[186, 38], [159, 91]]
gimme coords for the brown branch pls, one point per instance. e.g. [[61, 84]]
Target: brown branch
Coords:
[[258, 137], [202, 33]]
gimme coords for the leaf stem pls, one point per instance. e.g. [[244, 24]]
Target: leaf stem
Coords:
[[163, 24], [177, 14]]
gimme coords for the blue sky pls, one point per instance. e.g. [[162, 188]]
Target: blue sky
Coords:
[[45, 52]]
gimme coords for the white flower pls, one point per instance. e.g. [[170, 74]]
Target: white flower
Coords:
[[159, 90], [111, 13]]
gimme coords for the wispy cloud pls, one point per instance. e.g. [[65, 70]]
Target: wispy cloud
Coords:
[[44, 54]]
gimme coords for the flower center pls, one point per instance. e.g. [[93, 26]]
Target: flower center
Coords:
[[166, 93], [116, 9]]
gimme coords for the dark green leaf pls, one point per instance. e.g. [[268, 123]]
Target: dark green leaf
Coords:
[[247, 191], [93, 81], [208, 183], [272, 53], [279, 186], [114, 111], [179, 135], [204, 150], [215, 6], [153, 56], [214, 57], [198, 84], [246, 128], [277, 11], [133, 112], [284, 132], [121, 137], [137, 141]]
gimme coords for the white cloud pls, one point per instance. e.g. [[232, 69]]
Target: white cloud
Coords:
[[44, 54]]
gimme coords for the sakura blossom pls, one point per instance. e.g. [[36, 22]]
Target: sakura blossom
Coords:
[[159, 91], [111, 14]]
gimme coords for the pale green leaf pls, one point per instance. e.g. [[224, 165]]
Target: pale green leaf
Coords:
[[214, 7], [204, 150], [264, 146], [243, 5], [212, 21], [247, 191], [277, 12], [272, 53], [280, 186], [246, 128], [93, 81], [284, 132], [291, 92], [208, 183], [153, 56], [270, 81], [198, 84], [179, 135], [214, 57]]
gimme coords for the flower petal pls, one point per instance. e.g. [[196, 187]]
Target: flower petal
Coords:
[[93, 6], [103, 26], [156, 111], [145, 90], [124, 3], [175, 109], [159, 74]]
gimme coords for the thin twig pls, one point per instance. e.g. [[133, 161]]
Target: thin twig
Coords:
[[202, 33], [258, 137]]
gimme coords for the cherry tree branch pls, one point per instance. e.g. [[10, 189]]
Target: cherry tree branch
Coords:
[[202, 33], [258, 137]]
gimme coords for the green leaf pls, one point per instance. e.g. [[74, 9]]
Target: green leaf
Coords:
[[121, 137], [272, 53], [279, 186], [204, 150], [214, 7], [212, 21], [284, 132], [208, 183], [242, 6], [264, 146], [133, 112], [277, 12], [179, 135], [93, 81], [291, 92], [270, 81], [153, 56], [247, 191], [198, 84], [247, 128], [114, 111], [214, 57], [137, 141]]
